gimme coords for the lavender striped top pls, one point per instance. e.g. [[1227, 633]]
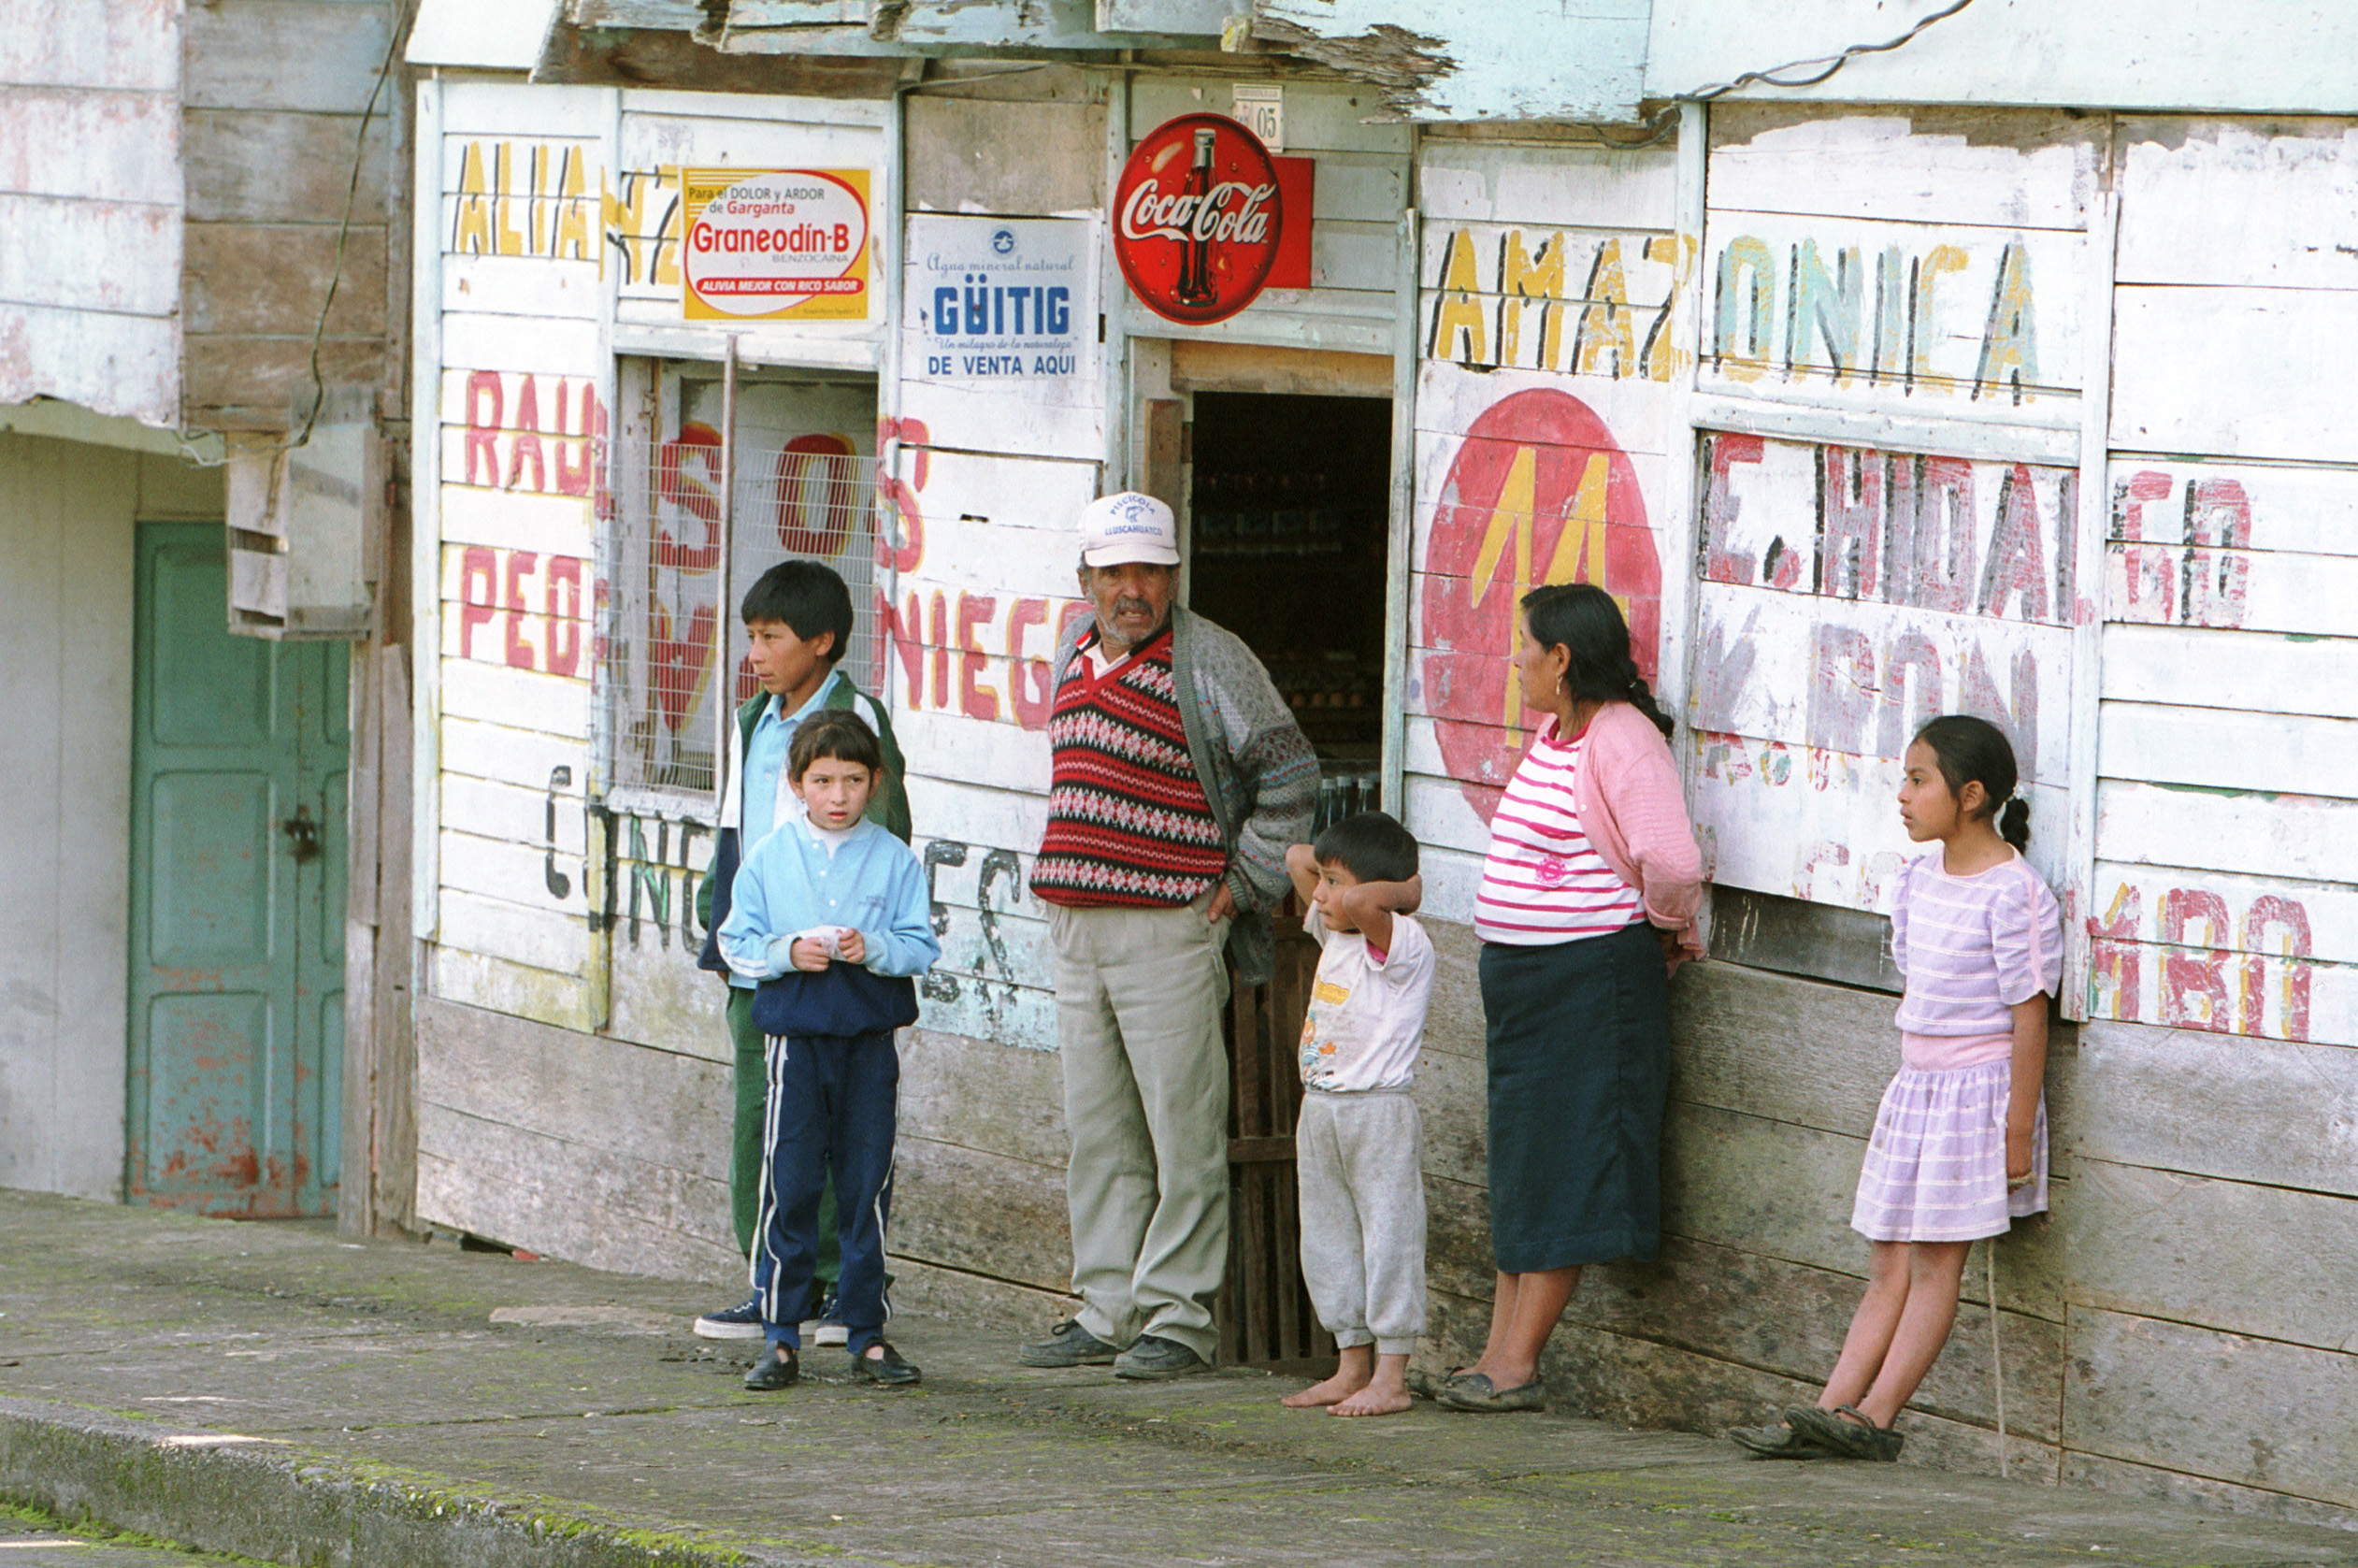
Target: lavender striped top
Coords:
[[1973, 946]]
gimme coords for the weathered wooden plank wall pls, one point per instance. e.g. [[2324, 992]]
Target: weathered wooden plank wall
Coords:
[[91, 204], [1923, 313], [2211, 1196], [271, 140]]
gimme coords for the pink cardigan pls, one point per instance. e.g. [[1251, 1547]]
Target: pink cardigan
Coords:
[[1635, 813]]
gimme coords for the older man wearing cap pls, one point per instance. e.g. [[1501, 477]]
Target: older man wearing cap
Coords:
[[1178, 779]]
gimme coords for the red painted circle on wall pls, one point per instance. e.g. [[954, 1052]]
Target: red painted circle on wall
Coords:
[[1540, 491], [1196, 218]]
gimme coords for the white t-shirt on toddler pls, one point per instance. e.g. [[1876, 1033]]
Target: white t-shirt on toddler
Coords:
[[1366, 1021]]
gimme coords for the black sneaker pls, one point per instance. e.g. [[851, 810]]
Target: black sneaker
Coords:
[[891, 1369], [830, 1329], [1155, 1358], [742, 1321], [1068, 1344], [782, 1368]]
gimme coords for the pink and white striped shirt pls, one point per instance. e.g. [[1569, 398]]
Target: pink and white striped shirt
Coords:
[[1543, 881]]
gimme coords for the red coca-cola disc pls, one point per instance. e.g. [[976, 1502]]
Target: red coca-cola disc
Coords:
[[1196, 218]]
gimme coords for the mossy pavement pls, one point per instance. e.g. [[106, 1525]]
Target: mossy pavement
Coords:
[[283, 1393]]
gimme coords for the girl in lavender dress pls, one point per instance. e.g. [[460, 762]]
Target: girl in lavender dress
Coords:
[[1960, 1143]]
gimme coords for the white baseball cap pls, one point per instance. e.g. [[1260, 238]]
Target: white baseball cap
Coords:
[[1129, 528]]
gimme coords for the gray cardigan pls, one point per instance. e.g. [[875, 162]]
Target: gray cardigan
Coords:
[[1257, 769]]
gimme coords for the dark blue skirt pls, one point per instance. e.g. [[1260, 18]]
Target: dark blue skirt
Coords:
[[1579, 1057]]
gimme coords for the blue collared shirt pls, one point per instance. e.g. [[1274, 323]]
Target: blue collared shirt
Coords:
[[793, 881], [767, 799]]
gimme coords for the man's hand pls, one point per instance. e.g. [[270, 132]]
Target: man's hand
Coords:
[[808, 955], [853, 945], [1223, 906]]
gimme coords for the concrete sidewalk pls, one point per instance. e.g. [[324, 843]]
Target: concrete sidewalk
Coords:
[[279, 1392]]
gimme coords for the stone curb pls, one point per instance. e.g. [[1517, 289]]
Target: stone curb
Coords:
[[272, 1501]]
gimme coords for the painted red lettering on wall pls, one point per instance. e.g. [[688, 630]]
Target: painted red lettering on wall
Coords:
[[899, 495], [973, 701], [540, 631], [818, 496], [520, 563], [698, 446], [515, 449], [563, 602], [478, 595], [2191, 570], [2213, 972]]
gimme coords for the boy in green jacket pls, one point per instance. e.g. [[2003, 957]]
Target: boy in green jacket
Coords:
[[798, 620]]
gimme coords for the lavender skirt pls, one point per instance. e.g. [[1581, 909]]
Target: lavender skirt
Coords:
[[1936, 1168]]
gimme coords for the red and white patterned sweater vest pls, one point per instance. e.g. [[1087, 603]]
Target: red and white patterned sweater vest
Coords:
[[1128, 825]]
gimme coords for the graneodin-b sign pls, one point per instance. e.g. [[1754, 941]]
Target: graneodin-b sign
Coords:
[[775, 244]]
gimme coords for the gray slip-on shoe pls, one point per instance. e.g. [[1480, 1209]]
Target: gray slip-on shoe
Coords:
[[1068, 1344], [1475, 1393], [1155, 1360]]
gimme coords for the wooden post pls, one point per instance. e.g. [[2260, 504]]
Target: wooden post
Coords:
[[355, 1181], [393, 1204], [2088, 616], [725, 669], [1392, 756], [1166, 451]]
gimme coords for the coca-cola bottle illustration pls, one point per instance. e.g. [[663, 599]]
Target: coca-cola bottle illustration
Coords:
[[1195, 252]]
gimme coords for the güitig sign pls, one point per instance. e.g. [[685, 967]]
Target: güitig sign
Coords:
[[774, 245], [1196, 218]]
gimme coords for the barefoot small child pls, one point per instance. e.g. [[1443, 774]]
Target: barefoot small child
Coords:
[[829, 915], [1360, 1144], [1959, 1145]]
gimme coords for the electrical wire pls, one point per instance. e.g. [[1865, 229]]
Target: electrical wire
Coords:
[[1658, 127], [187, 437], [352, 194]]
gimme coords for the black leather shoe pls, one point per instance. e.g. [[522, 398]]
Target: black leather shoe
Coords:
[[891, 1368], [773, 1372]]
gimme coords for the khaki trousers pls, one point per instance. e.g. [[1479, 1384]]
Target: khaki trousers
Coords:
[[1139, 994]]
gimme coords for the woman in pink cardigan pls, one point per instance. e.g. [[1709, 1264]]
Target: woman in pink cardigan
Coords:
[[1587, 902]]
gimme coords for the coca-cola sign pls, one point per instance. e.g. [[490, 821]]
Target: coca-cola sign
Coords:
[[1196, 218]]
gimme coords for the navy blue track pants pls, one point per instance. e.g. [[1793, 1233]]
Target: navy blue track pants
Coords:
[[831, 1109]]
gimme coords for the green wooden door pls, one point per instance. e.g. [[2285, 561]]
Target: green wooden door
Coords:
[[237, 856]]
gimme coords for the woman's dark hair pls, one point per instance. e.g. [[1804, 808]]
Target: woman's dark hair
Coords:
[[1371, 847], [808, 597], [1582, 619], [1971, 750], [834, 735]]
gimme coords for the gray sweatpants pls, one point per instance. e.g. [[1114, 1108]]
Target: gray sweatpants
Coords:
[[1360, 1159]]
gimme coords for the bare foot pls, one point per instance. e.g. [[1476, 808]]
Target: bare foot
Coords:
[[1348, 1380], [1383, 1396]]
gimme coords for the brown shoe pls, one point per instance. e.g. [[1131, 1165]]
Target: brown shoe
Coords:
[[1855, 1437]]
